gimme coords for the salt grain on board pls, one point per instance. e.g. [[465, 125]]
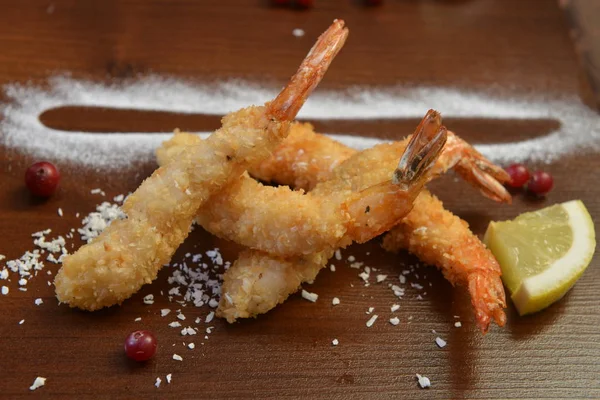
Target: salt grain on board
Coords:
[[38, 383]]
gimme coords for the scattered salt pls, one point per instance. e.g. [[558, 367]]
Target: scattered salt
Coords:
[[164, 312], [158, 381], [394, 321], [191, 346], [371, 321], [395, 307], [332, 268], [309, 296], [149, 299], [38, 383], [338, 255], [457, 324], [335, 301], [424, 381], [335, 342], [60, 212], [175, 324], [169, 377], [381, 278], [209, 317], [38, 301], [298, 32], [440, 342], [5, 290], [138, 319], [21, 322], [402, 279], [177, 357], [181, 317]]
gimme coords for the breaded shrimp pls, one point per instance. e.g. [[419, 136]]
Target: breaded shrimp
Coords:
[[448, 243], [351, 208], [440, 238], [130, 252], [338, 211], [293, 164]]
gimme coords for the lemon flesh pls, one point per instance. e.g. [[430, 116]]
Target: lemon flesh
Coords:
[[543, 253]]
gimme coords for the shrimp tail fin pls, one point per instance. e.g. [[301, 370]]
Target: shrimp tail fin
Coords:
[[422, 151], [289, 101]]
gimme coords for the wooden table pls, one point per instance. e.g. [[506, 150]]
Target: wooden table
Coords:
[[515, 45]]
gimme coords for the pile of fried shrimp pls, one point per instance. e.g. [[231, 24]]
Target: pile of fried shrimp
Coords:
[[329, 196]]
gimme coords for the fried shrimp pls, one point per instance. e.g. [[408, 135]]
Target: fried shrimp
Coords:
[[346, 207], [440, 238], [353, 207], [258, 282], [130, 252], [429, 231]]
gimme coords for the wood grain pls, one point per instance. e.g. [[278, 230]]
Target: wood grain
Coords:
[[522, 46]]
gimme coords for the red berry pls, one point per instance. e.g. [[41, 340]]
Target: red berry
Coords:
[[519, 175], [42, 179], [305, 3], [140, 345], [540, 183]]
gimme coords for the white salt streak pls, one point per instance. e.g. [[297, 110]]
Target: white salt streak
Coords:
[[579, 126]]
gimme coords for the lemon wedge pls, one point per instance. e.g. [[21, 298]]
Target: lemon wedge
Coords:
[[543, 253]]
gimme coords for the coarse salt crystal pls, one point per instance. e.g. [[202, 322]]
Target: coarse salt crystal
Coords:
[[38, 301], [60, 212], [21, 322], [309, 296], [402, 279], [395, 307], [175, 324], [424, 381], [335, 301], [169, 377], [22, 281], [457, 324], [338, 255], [149, 299], [335, 342], [394, 321], [416, 286], [138, 319], [177, 357], [181, 316], [298, 32], [332, 268], [4, 274], [209, 317], [213, 303], [164, 312], [191, 346], [371, 321], [351, 258], [371, 309], [38, 383], [157, 383], [381, 278], [4, 290], [440, 342]]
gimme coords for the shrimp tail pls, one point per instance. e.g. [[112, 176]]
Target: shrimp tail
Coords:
[[487, 297], [474, 168], [422, 150], [289, 101]]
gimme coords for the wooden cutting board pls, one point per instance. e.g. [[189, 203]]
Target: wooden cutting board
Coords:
[[518, 46]]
